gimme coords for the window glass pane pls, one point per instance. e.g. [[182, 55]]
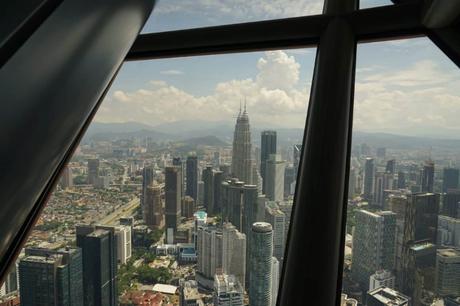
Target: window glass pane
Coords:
[[404, 200], [165, 190], [374, 3], [184, 14]]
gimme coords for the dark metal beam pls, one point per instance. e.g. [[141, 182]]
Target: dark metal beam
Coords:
[[50, 88], [314, 255], [448, 40], [376, 23]]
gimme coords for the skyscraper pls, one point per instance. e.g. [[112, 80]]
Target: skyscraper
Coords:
[[277, 219], [448, 272], [398, 204], [428, 177], [391, 166], [234, 252], [268, 147], [274, 178], [66, 177], [49, 277], [260, 276], [401, 180], [153, 206], [373, 245], [275, 279], [173, 196], [122, 239], [217, 189], [451, 203], [450, 179], [93, 170], [208, 180], [209, 250], [241, 154], [147, 180], [192, 177], [99, 267], [296, 156], [227, 291], [421, 219], [369, 173], [448, 231], [177, 161]]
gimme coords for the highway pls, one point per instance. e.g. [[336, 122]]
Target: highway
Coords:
[[124, 211]]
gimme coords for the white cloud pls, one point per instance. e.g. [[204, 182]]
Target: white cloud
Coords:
[[241, 10], [273, 97], [172, 72], [419, 99]]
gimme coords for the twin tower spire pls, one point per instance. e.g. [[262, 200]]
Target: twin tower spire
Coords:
[[241, 153]]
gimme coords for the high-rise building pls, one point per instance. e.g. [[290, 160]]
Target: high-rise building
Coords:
[[188, 207], [147, 181], [352, 180], [260, 276], [217, 189], [296, 157], [421, 219], [268, 147], [66, 177], [450, 179], [382, 183], [419, 260], [234, 252], [428, 177], [382, 278], [209, 250], [277, 219], [208, 179], [275, 279], [241, 154], [122, 238], [448, 272], [49, 277], [401, 180], [391, 166], [286, 208], [451, 203], [178, 162], [239, 204], [289, 179], [93, 170], [274, 178], [173, 197], [99, 267], [227, 291], [386, 297], [192, 177], [373, 245], [448, 231], [369, 174], [153, 206], [398, 204]]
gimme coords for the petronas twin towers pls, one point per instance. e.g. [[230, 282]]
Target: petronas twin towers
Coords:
[[242, 166]]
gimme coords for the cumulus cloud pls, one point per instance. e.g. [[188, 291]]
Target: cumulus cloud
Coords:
[[273, 97], [242, 9], [172, 72], [420, 99]]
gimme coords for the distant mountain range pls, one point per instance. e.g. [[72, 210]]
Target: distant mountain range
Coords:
[[221, 133]]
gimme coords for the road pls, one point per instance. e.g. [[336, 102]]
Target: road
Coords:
[[124, 211]]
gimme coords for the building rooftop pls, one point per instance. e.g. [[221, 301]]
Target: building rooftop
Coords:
[[449, 253], [389, 296], [163, 288]]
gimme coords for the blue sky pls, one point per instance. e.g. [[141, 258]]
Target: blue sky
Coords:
[[405, 87]]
